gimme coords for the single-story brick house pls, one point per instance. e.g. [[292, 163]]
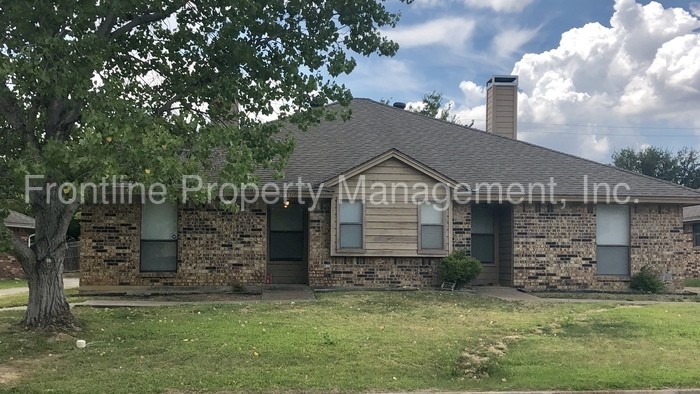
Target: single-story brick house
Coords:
[[560, 239], [23, 226]]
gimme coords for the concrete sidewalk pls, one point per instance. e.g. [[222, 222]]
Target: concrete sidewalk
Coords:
[[660, 391], [68, 283], [512, 294], [273, 293], [506, 293]]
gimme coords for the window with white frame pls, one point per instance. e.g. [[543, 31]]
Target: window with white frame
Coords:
[[613, 240], [350, 224], [159, 237], [696, 235], [432, 226], [483, 234]]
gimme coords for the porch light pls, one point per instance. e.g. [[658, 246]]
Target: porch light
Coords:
[[286, 203]]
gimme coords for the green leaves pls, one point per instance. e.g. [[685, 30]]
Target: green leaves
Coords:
[[149, 89], [683, 167]]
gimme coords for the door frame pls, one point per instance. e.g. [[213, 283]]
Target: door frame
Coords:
[[304, 262]]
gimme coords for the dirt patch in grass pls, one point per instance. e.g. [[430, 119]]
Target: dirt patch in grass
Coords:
[[9, 374], [475, 362]]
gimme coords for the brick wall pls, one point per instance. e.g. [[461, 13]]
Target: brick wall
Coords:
[[692, 259], [552, 249], [9, 266], [555, 249], [657, 239], [215, 247], [375, 272]]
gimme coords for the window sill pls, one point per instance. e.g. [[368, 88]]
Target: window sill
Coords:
[[349, 252], [613, 278], [389, 253], [432, 252], [157, 274]]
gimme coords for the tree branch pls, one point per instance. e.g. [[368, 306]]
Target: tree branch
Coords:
[[10, 109], [20, 249], [167, 106], [107, 24], [60, 116], [143, 20]]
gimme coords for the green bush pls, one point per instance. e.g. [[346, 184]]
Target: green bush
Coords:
[[647, 281], [460, 268]]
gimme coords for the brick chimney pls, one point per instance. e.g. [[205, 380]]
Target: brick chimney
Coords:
[[502, 105]]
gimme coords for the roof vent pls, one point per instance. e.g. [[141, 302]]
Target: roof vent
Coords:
[[399, 104]]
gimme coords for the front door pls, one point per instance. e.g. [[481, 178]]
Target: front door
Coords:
[[287, 244]]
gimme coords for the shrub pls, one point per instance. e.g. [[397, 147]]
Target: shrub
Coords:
[[460, 268], [647, 281]]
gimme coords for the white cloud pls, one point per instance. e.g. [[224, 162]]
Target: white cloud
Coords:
[[642, 71], [695, 8], [448, 31], [385, 75], [495, 5], [509, 41], [499, 5]]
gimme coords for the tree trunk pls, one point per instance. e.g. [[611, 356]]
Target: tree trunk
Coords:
[[43, 263], [47, 307]]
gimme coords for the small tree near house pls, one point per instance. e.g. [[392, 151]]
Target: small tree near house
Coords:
[[147, 89]]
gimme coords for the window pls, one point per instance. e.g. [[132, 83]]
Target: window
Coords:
[[350, 225], [483, 238], [696, 235], [159, 237], [613, 239], [432, 228], [287, 233]]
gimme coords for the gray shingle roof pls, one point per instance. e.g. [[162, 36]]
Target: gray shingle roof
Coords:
[[467, 155], [691, 214], [19, 220]]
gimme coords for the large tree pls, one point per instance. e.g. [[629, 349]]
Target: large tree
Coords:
[[148, 88], [682, 167]]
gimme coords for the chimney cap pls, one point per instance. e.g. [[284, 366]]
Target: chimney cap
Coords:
[[399, 104], [508, 80]]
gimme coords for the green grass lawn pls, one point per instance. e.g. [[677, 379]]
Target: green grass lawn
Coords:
[[359, 341], [12, 283], [692, 282]]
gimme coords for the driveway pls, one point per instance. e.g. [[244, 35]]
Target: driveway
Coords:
[[68, 283]]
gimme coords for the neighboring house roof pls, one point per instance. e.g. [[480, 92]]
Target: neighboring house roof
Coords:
[[457, 152], [691, 214], [19, 220]]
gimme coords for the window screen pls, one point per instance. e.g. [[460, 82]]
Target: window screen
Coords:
[[287, 233], [483, 238], [612, 239], [159, 237], [432, 228], [350, 225]]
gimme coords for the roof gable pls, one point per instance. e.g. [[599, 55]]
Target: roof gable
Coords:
[[391, 154], [19, 220]]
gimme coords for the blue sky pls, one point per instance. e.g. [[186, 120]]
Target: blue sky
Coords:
[[595, 75]]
